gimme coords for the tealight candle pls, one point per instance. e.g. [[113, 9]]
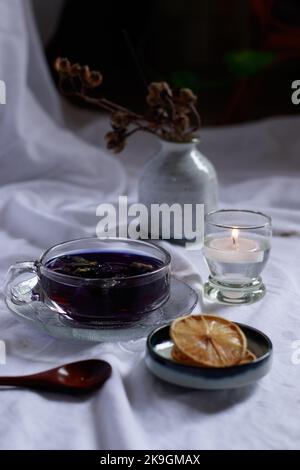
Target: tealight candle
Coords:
[[236, 249]]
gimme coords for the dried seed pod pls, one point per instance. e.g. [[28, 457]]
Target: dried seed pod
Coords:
[[120, 119], [62, 65], [75, 70], [186, 96], [95, 79], [86, 74], [115, 141], [182, 123], [157, 93]]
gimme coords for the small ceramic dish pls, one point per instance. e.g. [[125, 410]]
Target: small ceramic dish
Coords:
[[160, 362]]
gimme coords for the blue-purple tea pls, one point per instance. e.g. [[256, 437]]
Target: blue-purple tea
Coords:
[[119, 287]]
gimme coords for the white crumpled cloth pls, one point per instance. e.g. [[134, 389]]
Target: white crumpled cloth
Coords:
[[51, 183]]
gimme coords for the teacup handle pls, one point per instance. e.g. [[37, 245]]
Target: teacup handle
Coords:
[[14, 272]]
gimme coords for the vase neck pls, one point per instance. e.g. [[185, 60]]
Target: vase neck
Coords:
[[171, 146]]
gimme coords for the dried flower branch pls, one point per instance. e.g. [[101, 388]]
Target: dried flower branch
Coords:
[[172, 114]]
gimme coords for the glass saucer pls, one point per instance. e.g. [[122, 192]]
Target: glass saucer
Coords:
[[182, 301]]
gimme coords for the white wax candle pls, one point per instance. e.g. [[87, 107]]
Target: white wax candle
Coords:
[[234, 249]]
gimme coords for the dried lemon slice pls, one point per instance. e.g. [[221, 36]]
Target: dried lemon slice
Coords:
[[249, 357], [209, 340], [181, 358]]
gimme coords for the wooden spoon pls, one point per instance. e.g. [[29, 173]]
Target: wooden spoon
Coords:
[[77, 377]]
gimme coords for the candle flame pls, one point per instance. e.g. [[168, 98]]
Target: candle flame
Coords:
[[235, 236]]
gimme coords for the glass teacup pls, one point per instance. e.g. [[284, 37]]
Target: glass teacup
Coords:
[[99, 282]]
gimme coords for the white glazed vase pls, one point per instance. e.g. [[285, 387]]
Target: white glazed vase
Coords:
[[179, 174]]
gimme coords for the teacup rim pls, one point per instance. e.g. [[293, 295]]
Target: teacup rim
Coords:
[[166, 263]]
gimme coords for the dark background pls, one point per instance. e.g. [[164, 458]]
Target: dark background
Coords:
[[239, 56]]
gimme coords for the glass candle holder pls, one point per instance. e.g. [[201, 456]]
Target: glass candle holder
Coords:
[[236, 249]]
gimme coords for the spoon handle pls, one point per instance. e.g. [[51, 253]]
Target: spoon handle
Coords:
[[15, 381], [34, 383]]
